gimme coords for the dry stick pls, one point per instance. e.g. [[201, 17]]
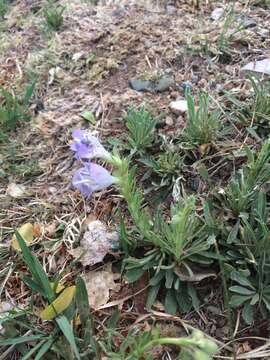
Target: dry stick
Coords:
[[250, 353], [6, 279], [237, 324], [251, 123], [148, 62]]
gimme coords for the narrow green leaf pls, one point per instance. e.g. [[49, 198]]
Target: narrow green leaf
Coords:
[[247, 314], [28, 93], [255, 299], [82, 300], [39, 275], [241, 279], [233, 233], [170, 302], [32, 351], [123, 235], [267, 303], [194, 297], [28, 257], [237, 300], [21, 340], [183, 299], [169, 275], [133, 275], [156, 279], [152, 296], [113, 319], [33, 285], [66, 329], [241, 290], [45, 347], [89, 116]]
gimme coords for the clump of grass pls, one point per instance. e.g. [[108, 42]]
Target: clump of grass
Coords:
[[141, 125], [255, 113], [203, 126], [220, 43], [245, 184], [15, 108], [226, 37], [54, 15], [15, 160], [3, 9], [175, 242]]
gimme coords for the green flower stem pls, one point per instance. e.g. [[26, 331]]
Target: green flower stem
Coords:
[[125, 181], [196, 341]]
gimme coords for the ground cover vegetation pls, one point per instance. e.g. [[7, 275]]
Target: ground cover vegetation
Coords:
[[134, 180]]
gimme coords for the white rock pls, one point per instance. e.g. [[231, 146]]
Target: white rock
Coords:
[[217, 14], [260, 66], [179, 106]]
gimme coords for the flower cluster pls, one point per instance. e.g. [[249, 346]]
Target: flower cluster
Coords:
[[90, 177]]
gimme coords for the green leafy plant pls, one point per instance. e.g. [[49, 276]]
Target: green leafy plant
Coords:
[[3, 8], [176, 242], [251, 292], [255, 112], [220, 43], [141, 126], [246, 183], [248, 243], [226, 36], [203, 126], [54, 16], [14, 160], [163, 168], [248, 247], [14, 108], [39, 283]]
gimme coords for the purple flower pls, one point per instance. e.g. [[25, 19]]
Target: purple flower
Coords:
[[91, 177], [87, 146]]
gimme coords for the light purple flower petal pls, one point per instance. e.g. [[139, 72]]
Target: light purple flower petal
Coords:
[[87, 146], [91, 177]]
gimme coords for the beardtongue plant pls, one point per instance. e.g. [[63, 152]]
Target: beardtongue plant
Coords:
[[91, 177], [175, 243]]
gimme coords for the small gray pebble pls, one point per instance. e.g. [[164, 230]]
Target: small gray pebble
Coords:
[[249, 23], [141, 85], [164, 84]]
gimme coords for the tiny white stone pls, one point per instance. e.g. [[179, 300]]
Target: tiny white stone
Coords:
[[217, 14], [169, 121], [179, 106], [77, 56]]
